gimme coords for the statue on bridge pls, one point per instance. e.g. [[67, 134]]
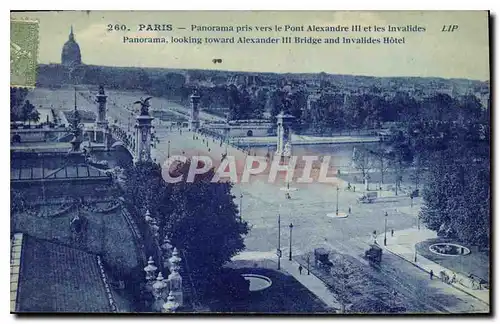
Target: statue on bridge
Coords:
[[144, 105]]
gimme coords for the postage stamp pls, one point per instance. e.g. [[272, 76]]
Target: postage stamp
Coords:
[[23, 52]]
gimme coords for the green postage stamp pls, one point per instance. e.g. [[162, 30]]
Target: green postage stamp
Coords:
[[23, 52]]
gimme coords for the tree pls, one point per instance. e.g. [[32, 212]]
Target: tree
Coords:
[[416, 171], [382, 161], [17, 97], [144, 187], [457, 196], [401, 155], [203, 223], [362, 160], [199, 218], [27, 111], [34, 116], [233, 102]]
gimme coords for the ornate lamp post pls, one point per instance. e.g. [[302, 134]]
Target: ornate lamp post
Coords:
[[308, 263], [175, 279], [337, 209], [290, 254], [168, 150], [150, 270], [158, 292], [385, 230], [148, 218], [241, 205], [171, 305], [155, 229], [278, 251]]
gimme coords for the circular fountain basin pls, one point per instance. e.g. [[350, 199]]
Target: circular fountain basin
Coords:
[[449, 249], [289, 189], [257, 282], [339, 215]]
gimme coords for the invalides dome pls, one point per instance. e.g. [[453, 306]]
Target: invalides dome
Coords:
[[71, 55]]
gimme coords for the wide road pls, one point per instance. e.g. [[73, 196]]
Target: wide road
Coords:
[[307, 210]]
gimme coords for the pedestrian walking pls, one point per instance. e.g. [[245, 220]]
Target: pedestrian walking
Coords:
[[392, 232], [300, 269], [431, 274], [354, 188], [349, 209]]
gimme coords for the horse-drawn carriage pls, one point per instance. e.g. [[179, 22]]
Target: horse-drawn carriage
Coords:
[[321, 257], [374, 254]]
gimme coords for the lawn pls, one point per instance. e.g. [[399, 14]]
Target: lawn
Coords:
[[477, 263], [286, 295], [362, 292]]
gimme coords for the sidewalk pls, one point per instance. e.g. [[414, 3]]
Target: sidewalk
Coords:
[[311, 282], [402, 244]]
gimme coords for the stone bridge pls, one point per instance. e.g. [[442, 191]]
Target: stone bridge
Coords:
[[120, 137]]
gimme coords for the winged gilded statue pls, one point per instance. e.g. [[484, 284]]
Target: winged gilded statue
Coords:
[[144, 102]]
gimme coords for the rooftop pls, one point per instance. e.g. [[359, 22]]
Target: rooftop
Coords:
[[57, 278]]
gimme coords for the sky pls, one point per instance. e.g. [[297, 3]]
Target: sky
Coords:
[[463, 53]]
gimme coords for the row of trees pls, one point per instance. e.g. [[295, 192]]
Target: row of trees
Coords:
[[336, 111], [452, 143], [199, 218], [243, 104], [457, 196]]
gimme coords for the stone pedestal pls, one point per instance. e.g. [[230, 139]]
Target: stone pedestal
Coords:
[[143, 138], [101, 124], [194, 119], [284, 143]]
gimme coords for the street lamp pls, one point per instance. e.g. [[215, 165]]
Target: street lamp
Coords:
[[168, 150], [385, 230], [308, 263], [278, 252], [241, 204], [337, 209], [290, 254]]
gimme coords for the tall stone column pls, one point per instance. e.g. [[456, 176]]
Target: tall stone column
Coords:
[[284, 144], [143, 138], [195, 111], [101, 120]]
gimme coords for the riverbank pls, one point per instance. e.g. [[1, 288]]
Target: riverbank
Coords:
[[303, 140]]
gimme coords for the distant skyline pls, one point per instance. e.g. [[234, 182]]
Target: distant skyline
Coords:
[[463, 54]]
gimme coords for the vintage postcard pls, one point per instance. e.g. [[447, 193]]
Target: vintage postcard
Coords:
[[250, 162]]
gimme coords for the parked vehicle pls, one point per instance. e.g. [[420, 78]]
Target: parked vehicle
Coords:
[[374, 254], [368, 197], [321, 256]]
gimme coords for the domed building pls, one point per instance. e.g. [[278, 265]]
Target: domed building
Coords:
[[71, 55]]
